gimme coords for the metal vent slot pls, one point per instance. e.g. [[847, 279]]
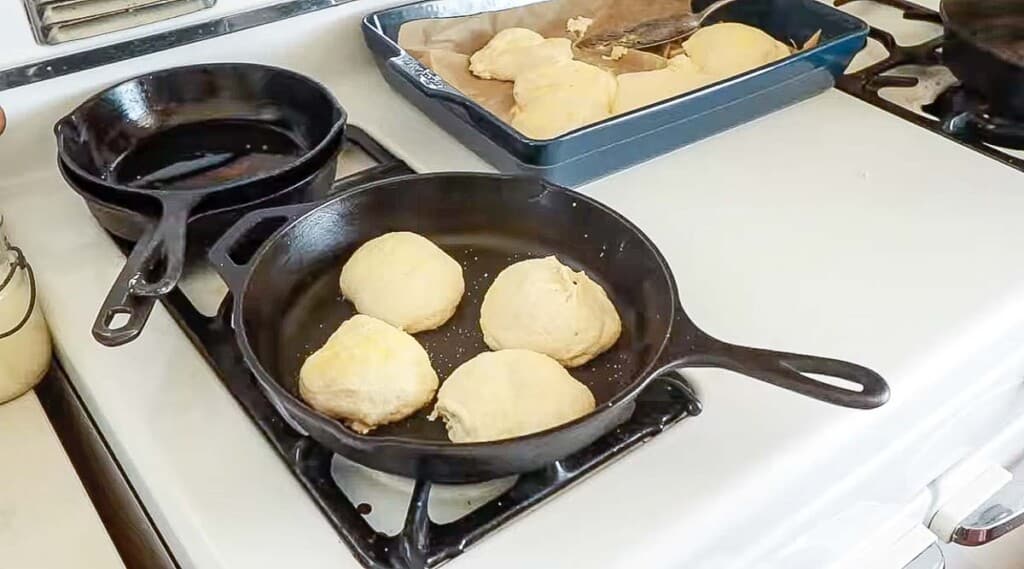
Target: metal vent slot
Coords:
[[58, 21]]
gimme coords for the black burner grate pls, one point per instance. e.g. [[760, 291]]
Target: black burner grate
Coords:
[[956, 114], [422, 542]]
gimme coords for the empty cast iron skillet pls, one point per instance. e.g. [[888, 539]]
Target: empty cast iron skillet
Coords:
[[205, 227], [208, 136], [287, 303]]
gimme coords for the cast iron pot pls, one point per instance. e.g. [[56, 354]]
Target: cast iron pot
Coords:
[[286, 304]]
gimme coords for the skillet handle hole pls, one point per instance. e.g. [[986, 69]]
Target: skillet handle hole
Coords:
[[839, 382], [243, 249], [117, 318]]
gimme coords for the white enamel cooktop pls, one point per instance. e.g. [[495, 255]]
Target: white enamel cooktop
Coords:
[[830, 228]]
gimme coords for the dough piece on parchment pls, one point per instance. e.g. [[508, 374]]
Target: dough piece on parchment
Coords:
[[647, 87], [368, 374], [556, 116], [727, 49], [514, 51], [575, 78], [555, 99], [545, 306], [509, 393], [405, 280]]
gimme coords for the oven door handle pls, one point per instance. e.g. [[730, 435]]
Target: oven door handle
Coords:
[[988, 506], [996, 517]]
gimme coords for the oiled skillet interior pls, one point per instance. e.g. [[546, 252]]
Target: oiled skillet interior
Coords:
[[485, 231]]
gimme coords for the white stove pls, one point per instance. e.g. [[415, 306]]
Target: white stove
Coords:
[[831, 227]]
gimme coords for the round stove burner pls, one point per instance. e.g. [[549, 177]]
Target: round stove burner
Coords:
[[386, 496]]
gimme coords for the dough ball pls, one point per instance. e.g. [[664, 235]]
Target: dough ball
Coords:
[[405, 280], [556, 116], [368, 374], [555, 99], [514, 51], [544, 306], [576, 78], [500, 395], [727, 49], [680, 62], [646, 87]]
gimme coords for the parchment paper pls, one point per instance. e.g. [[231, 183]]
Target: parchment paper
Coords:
[[445, 44]]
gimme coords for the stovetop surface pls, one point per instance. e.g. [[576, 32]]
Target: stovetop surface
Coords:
[[910, 81], [832, 227], [434, 522]]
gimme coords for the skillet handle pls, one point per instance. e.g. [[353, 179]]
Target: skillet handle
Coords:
[[121, 302], [167, 241], [233, 272], [866, 389]]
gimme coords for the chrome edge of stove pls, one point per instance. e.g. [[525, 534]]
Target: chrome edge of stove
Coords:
[[29, 73], [930, 558]]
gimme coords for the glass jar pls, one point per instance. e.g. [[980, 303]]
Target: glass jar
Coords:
[[25, 350]]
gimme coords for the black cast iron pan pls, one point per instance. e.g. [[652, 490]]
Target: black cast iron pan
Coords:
[[287, 303], [984, 48], [205, 226], [211, 136]]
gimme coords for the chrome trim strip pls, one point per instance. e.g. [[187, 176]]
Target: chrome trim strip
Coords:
[[74, 62], [1001, 514]]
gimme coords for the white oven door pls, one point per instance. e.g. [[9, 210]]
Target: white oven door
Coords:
[[968, 518]]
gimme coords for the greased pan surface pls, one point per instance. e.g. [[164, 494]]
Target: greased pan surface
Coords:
[[287, 303]]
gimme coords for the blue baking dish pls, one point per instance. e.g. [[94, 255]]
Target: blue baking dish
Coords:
[[621, 141]]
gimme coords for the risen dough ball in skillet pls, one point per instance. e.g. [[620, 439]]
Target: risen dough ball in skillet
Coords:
[[544, 306], [727, 49], [510, 393], [405, 280], [368, 374], [515, 50]]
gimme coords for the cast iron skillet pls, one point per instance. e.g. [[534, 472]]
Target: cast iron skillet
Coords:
[[211, 135], [205, 227], [984, 48], [287, 303]]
